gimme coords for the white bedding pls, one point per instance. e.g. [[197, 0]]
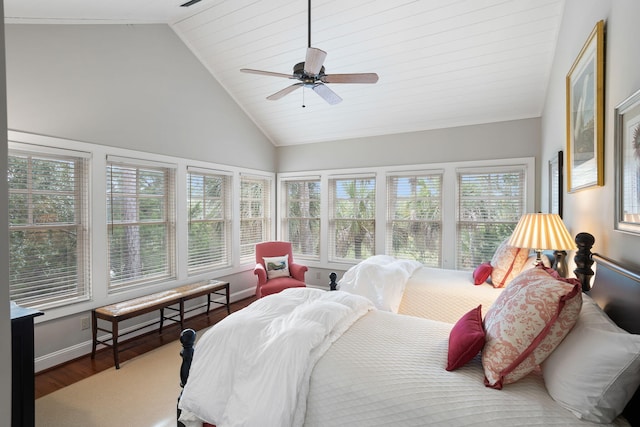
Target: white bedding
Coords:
[[390, 370], [445, 295], [385, 369], [381, 279], [253, 367]]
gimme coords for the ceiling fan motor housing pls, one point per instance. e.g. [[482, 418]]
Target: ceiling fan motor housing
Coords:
[[298, 71]]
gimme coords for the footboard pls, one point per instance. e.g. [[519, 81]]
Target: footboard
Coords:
[[188, 339]]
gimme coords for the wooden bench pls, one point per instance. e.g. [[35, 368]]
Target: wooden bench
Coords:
[[168, 299]]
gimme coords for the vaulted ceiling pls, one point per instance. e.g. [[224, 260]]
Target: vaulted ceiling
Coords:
[[441, 63]]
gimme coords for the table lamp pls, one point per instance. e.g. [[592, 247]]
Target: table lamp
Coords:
[[540, 231]]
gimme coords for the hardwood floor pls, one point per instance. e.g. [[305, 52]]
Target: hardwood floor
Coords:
[[70, 372]]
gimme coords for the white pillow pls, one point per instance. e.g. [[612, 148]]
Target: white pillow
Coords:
[[595, 370], [277, 266]]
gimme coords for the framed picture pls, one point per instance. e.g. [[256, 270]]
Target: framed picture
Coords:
[[555, 183], [627, 164], [585, 115]]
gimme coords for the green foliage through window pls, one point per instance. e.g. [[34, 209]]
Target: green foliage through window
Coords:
[[48, 234]]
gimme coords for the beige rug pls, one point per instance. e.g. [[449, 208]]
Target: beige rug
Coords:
[[142, 393]]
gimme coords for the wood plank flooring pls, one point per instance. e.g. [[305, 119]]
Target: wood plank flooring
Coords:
[[55, 378]]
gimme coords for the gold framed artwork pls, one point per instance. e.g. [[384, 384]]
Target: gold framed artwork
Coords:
[[627, 164], [585, 115]]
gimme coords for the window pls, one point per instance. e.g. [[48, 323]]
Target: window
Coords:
[[141, 221], [301, 221], [490, 203], [209, 204], [255, 214], [414, 221], [352, 213], [48, 227]]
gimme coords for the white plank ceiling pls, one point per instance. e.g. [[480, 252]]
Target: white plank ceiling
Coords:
[[441, 63]]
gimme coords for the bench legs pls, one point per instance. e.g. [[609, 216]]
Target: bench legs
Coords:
[[113, 320], [217, 292], [114, 328], [114, 338], [94, 332]]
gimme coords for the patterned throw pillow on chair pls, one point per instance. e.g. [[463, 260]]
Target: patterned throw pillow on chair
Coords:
[[277, 266]]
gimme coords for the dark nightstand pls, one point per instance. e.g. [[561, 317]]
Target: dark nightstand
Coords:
[[22, 366]]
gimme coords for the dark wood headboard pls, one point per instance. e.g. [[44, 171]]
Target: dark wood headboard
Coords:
[[616, 290]]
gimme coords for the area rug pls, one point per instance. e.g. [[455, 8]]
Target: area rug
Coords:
[[142, 393]]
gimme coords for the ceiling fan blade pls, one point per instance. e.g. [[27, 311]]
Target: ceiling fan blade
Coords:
[[350, 78], [285, 91], [314, 60], [267, 73], [327, 94]]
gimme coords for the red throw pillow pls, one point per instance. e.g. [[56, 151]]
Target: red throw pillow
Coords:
[[466, 339], [482, 273]]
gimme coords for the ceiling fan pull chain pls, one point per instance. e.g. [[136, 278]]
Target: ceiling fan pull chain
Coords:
[[303, 105]]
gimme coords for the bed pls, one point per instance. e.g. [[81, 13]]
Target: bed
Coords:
[[381, 368]]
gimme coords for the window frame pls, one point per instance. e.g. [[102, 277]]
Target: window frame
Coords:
[[333, 205], [488, 170], [448, 203], [81, 224], [167, 221], [418, 220], [226, 201], [283, 197], [247, 247]]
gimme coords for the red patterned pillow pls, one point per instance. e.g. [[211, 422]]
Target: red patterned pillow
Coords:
[[466, 339], [526, 323], [482, 273], [507, 262]]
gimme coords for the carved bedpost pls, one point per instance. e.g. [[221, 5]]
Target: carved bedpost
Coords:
[[333, 285], [583, 260], [188, 339]]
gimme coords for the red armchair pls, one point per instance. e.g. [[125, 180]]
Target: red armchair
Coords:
[[279, 252]]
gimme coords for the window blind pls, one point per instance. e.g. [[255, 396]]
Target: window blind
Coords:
[[141, 222], [352, 210], [255, 214], [209, 204], [49, 257], [414, 217], [489, 205], [301, 221]]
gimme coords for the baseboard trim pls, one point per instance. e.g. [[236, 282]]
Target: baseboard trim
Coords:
[[82, 349]]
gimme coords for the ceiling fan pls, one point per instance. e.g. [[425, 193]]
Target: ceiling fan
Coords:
[[311, 74]]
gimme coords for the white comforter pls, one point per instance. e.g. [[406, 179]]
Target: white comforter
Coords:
[[381, 279], [253, 367], [389, 370]]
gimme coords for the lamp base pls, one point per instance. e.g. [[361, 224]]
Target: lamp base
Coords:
[[560, 264]]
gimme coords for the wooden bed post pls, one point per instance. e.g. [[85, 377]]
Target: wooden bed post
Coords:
[[333, 285], [188, 339], [583, 260]]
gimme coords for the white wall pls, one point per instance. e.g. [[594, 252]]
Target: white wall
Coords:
[[126, 86], [5, 322], [592, 209], [129, 86], [511, 139]]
